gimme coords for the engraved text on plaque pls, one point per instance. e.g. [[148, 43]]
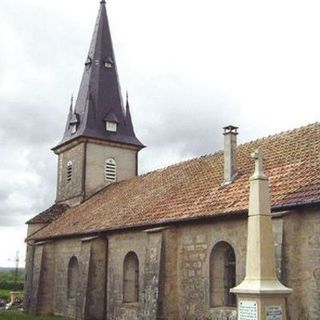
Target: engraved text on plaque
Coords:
[[248, 310]]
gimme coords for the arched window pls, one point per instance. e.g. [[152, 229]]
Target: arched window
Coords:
[[73, 276], [110, 170], [222, 275], [69, 171], [131, 278]]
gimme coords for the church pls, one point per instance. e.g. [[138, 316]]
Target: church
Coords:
[[169, 244]]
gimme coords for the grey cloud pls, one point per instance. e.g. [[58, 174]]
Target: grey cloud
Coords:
[[182, 120], [21, 201], [23, 123]]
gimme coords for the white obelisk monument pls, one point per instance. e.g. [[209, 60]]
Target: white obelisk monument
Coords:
[[260, 296]]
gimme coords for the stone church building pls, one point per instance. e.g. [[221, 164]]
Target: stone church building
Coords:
[[168, 244]]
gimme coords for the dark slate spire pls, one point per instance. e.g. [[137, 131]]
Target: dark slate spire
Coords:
[[99, 98]]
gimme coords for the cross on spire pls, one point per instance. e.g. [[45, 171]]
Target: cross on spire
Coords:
[[258, 173]]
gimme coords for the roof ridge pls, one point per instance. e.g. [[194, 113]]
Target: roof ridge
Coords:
[[178, 163], [281, 133], [215, 153]]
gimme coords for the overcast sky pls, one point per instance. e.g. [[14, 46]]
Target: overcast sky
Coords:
[[190, 67]]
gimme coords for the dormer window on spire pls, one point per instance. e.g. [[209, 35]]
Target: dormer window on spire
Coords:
[[111, 126], [111, 122], [73, 128], [88, 63], [108, 62], [74, 123]]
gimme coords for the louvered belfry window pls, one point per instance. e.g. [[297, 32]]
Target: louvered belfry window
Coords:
[[69, 171], [110, 170]]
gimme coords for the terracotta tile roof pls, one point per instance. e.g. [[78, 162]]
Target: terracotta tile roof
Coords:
[[193, 188], [49, 215]]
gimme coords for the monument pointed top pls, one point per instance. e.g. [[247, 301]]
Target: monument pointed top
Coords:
[[258, 173]]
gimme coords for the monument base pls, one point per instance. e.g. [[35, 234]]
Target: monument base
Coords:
[[261, 307]]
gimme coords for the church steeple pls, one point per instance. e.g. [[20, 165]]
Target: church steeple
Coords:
[[99, 108], [99, 145]]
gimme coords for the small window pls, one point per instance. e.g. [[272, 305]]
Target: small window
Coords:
[[111, 126], [73, 275], [222, 275], [88, 63], [110, 170], [73, 127], [108, 62], [131, 278], [74, 122], [69, 171]]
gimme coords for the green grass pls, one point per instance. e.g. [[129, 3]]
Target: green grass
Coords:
[[18, 315]]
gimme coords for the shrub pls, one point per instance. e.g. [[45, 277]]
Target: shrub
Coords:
[[9, 285]]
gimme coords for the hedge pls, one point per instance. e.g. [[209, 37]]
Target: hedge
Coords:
[[9, 285]]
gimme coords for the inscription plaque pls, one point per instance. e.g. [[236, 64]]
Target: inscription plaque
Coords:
[[248, 310], [273, 313]]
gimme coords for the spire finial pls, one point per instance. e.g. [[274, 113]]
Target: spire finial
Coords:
[[103, 2], [127, 96], [71, 103], [258, 173]]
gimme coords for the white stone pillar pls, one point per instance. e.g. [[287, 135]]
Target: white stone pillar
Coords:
[[260, 296]]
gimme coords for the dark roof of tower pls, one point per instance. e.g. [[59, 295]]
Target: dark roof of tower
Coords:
[[99, 98]]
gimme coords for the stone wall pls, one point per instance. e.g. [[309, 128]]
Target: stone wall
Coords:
[[149, 247], [119, 246], [65, 250], [173, 270], [88, 169], [47, 275], [73, 189], [196, 242], [151, 282], [49, 281], [34, 298], [302, 264], [97, 154], [29, 267], [168, 301], [97, 282]]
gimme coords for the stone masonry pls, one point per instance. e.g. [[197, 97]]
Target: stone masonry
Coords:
[[173, 270]]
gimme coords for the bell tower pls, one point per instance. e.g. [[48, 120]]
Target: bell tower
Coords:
[[99, 145]]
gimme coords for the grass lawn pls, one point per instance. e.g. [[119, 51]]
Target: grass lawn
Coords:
[[18, 315]]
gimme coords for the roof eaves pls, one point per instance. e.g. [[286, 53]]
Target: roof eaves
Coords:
[[208, 216]]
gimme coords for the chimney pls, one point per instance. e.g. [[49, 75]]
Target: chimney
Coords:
[[230, 154]]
